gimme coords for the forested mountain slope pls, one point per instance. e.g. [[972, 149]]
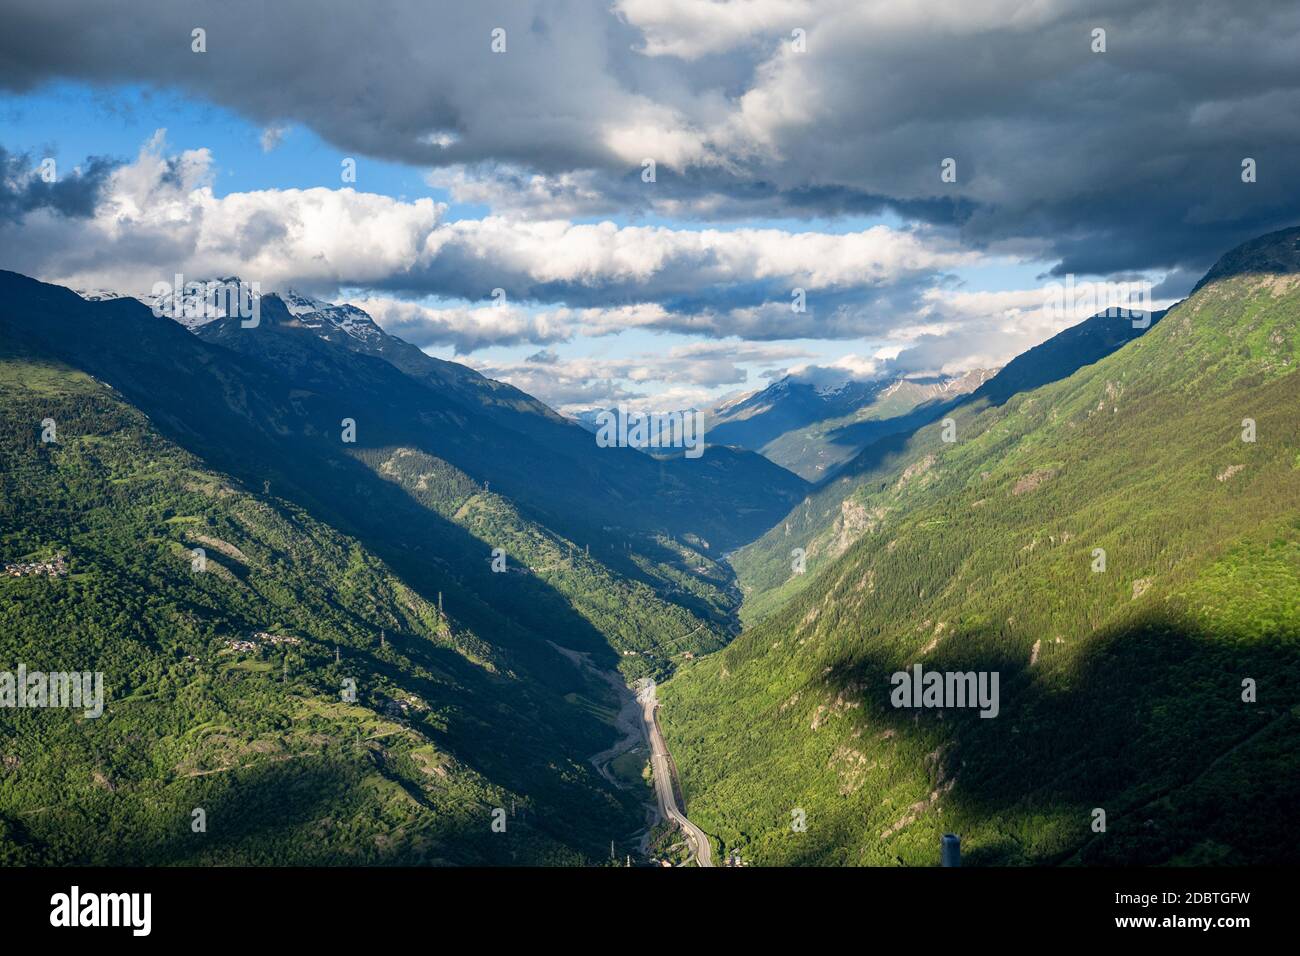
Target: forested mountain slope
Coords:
[[273, 417], [817, 450], [1121, 689], [379, 546], [206, 711], [833, 515]]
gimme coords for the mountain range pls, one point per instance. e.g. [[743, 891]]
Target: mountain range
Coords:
[[1118, 541], [359, 604], [376, 554], [812, 429]]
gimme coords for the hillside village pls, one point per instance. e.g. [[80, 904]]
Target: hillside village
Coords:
[[257, 638], [56, 567]]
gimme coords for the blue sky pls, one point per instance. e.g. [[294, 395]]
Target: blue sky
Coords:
[[72, 121]]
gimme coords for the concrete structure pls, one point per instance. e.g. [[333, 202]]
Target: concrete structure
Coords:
[[950, 850]]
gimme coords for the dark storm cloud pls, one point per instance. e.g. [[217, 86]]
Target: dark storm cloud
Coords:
[[74, 194], [374, 79], [1122, 160]]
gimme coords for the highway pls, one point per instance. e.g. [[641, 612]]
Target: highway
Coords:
[[661, 764], [644, 702]]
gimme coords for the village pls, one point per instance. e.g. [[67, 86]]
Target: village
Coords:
[[258, 638], [56, 567]]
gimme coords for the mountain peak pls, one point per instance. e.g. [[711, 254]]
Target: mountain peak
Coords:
[[100, 295], [1276, 253], [192, 305], [299, 303], [327, 318]]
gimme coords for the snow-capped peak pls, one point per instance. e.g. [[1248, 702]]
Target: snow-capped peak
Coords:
[[100, 295], [193, 305], [830, 390], [199, 303], [299, 304], [326, 317]]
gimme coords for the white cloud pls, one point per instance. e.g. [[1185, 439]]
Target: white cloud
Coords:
[[849, 367], [515, 192], [159, 215], [742, 124], [683, 376], [472, 327], [271, 136], [604, 259]]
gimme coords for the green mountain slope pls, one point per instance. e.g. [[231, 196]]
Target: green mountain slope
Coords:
[[272, 419], [630, 615], [495, 433], [351, 541], [835, 515], [1120, 690], [446, 724], [817, 450]]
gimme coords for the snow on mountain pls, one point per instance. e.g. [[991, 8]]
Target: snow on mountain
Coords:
[[194, 305], [299, 304], [832, 390], [203, 302], [99, 295], [199, 303], [329, 318]]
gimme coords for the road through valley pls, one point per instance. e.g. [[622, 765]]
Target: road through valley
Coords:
[[661, 764], [636, 721]]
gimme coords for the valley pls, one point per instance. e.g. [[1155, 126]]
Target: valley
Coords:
[[487, 564], [460, 603], [1120, 544], [452, 454]]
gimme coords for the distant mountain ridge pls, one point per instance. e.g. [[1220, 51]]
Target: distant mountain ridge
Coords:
[[828, 521], [546, 440], [754, 420], [812, 429]]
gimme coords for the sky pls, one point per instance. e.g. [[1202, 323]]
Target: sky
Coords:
[[655, 202]]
